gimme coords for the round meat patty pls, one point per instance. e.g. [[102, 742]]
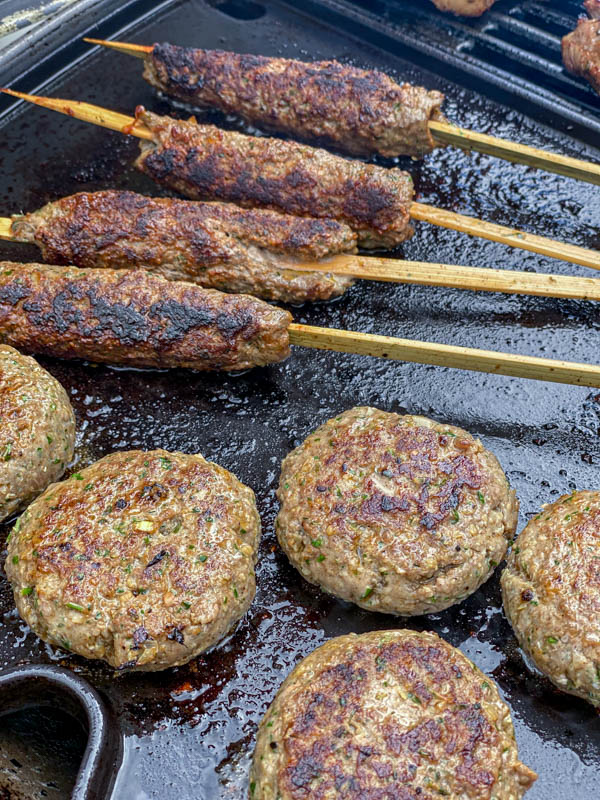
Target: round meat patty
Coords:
[[143, 559], [551, 593], [390, 715], [397, 514], [37, 430]]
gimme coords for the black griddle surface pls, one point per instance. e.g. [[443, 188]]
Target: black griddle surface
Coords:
[[189, 732]]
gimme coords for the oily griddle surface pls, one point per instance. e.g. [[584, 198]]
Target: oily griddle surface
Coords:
[[190, 731]]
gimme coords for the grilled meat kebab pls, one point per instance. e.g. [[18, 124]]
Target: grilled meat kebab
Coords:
[[215, 245], [203, 162], [136, 319], [359, 111], [581, 47], [464, 8]]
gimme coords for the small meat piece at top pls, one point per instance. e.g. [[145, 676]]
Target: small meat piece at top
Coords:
[[37, 430], [398, 514], [464, 8], [137, 319], [581, 47], [359, 111], [215, 245], [387, 715], [203, 162]]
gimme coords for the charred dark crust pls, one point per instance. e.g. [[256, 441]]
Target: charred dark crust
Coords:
[[332, 738], [135, 318], [105, 228], [204, 162], [361, 111]]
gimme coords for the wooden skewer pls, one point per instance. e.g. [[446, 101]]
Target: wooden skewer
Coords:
[[510, 236], [390, 270], [446, 133], [443, 355], [97, 115]]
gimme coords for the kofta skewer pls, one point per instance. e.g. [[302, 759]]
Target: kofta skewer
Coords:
[[136, 319], [202, 161], [263, 253], [359, 111]]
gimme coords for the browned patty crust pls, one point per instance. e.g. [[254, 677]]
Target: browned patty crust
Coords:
[[398, 514], [136, 319], [360, 111], [37, 430], [215, 245], [581, 47], [465, 8], [387, 715], [551, 593], [203, 162], [143, 559]]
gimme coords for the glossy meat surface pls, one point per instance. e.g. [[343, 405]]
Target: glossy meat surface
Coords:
[[134, 318], [387, 715], [143, 559], [203, 162], [359, 111], [215, 245]]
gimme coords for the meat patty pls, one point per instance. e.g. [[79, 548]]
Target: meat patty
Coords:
[[551, 593], [398, 514], [136, 319], [203, 162], [464, 8], [215, 245], [581, 47], [144, 559], [360, 111], [37, 430], [392, 715]]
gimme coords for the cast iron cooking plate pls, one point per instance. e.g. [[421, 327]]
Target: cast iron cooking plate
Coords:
[[189, 732]]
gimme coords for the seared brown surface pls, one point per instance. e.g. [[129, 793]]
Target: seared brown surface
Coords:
[[215, 245], [551, 593], [464, 8], [360, 111], [37, 430], [398, 514], [581, 47], [135, 318], [593, 8], [144, 559], [387, 715], [206, 163]]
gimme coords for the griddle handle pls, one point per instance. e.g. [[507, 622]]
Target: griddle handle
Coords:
[[43, 685]]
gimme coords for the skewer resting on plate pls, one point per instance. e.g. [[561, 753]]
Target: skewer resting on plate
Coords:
[[221, 246], [136, 319], [227, 81], [204, 162]]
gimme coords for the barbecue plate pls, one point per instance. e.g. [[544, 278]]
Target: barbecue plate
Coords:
[[189, 732]]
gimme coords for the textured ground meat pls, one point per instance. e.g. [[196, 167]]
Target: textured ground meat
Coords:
[[398, 514], [387, 715], [144, 559], [136, 319], [37, 430], [464, 8], [215, 245], [581, 47], [203, 162], [551, 593], [359, 111]]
